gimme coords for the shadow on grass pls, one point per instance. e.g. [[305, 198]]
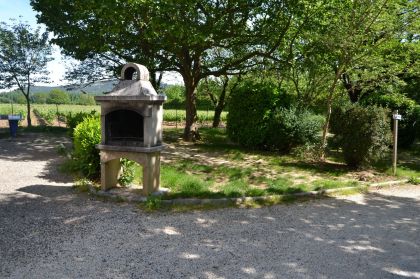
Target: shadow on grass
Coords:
[[408, 164], [333, 169]]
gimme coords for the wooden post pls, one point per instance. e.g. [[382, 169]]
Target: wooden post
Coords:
[[395, 136], [176, 118]]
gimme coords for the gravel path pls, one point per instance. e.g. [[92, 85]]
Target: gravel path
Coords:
[[48, 231]]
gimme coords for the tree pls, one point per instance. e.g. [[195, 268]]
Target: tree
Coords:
[[24, 54], [97, 68], [86, 100], [58, 97], [175, 94], [218, 90], [341, 48], [197, 38], [40, 98]]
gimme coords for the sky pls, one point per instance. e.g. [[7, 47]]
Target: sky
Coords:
[[22, 8]]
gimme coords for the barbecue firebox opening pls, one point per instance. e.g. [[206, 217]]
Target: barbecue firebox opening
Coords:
[[124, 127]]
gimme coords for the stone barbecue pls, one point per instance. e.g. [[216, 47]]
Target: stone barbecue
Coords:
[[131, 125]]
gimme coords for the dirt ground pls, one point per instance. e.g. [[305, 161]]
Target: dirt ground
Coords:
[[47, 230]]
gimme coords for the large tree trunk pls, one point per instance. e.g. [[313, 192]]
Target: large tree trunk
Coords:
[[28, 107], [329, 110], [191, 130], [220, 105], [217, 113], [353, 90]]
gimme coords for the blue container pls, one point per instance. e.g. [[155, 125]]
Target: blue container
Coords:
[[13, 125]]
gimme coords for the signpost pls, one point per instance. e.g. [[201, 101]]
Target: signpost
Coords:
[[395, 117]]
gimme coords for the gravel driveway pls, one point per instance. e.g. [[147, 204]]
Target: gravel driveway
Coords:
[[48, 231]]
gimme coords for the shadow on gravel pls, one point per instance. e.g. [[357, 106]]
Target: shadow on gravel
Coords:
[[52, 171], [47, 191], [31, 147], [376, 237]]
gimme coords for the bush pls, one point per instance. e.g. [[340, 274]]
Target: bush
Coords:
[[362, 132], [86, 135], [289, 128], [409, 126], [256, 120], [252, 103], [72, 120]]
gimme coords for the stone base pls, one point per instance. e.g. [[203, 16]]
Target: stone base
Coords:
[[110, 167]]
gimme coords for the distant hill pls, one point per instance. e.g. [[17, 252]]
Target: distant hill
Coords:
[[96, 88]]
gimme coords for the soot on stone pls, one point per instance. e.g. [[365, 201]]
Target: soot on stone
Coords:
[[124, 127]]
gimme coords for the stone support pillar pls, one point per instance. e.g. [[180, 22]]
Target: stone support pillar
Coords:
[[110, 167]]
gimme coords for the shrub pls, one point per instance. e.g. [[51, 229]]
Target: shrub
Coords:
[[86, 135], [252, 103], [72, 120], [256, 120], [409, 126], [362, 132], [289, 128], [128, 172]]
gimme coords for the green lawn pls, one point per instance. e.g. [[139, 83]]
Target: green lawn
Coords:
[[215, 167]]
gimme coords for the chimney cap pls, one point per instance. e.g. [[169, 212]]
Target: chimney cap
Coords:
[[129, 70]]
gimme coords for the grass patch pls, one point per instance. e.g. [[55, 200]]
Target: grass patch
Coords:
[[184, 185], [414, 180], [82, 185], [283, 186], [234, 173], [325, 184], [404, 172], [235, 189]]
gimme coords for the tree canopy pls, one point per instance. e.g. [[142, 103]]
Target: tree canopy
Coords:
[[196, 38], [58, 97]]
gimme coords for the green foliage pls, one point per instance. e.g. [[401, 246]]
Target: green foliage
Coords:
[[256, 119], [289, 128], [250, 111], [236, 188], [17, 109], [21, 100], [362, 132], [48, 115], [4, 100], [153, 203], [212, 39], [414, 180], [284, 186], [72, 120], [83, 185], [86, 135], [128, 171], [24, 54], [175, 95], [58, 97], [325, 184], [85, 100], [409, 126], [188, 185], [40, 98]]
